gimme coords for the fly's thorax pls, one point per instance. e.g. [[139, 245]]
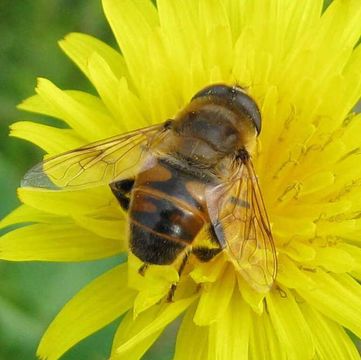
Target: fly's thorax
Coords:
[[208, 131]]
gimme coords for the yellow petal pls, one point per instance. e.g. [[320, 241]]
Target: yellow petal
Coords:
[[315, 183], [190, 27], [330, 339], [215, 27], [179, 20], [336, 296], [153, 286], [109, 222], [121, 102], [105, 81], [215, 298], [302, 19], [299, 251], [167, 313], [290, 325], [134, 114], [355, 253], [235, 12], [27, 214], [160, 75], [288, 229], [130, 327], [80, 47], [333, 259], [191, 339], [263, 343], [122, 15], [49, 138], [161, 273], [341, 24], [347, 229], [353, 124], [66, 202], [209, 271], [39, 105], [273, 127], [313, 211], [229, 337], [88, 121], [352, 81], [342, 21], [252, 297], [291, 276], [56, 242], [95, 306], [303, 165], [84, 102]]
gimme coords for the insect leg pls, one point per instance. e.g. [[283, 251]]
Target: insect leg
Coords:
[[180, 270], [143, 269], [121, 189]]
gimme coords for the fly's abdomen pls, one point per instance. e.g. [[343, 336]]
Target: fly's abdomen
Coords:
[[161, 225]]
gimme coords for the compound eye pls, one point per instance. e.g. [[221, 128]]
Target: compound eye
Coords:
[[247, 105], [218, 90]]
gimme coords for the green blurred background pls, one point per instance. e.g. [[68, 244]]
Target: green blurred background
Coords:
[[31, 294]]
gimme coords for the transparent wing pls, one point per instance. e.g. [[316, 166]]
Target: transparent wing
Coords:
[[240, 220], [95, 164]]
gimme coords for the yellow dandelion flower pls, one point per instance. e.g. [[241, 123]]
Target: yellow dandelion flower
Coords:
[[302, 67]]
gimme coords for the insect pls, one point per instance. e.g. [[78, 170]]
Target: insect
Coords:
[[189, 174]]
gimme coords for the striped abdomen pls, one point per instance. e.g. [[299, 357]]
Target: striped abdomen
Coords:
[[166, 213]]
